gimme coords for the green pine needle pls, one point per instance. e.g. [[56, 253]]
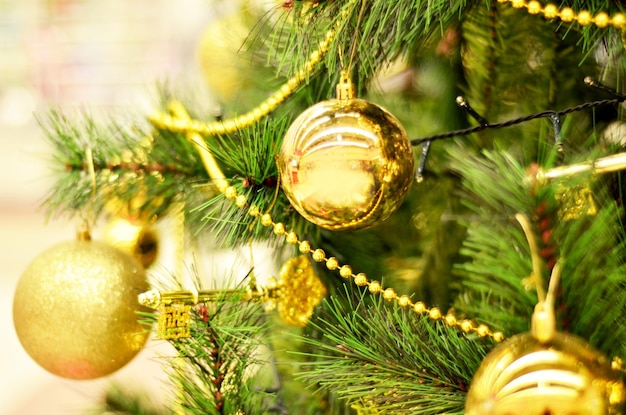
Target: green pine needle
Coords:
[[390, 358], [500, 261]]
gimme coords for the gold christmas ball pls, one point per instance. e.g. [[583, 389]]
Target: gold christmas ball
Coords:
[[133, 237], [75, 308], [226, 61], [564, 376], [346, 164]]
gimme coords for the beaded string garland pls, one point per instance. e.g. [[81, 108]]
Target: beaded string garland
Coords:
[[568, 15], [171, 123]]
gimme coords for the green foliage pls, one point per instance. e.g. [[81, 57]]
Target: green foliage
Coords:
[[249, 157], [389, 358], [137, 172], [591, 247], [216, 370], [118, 400], [454, 241], [368, 33]]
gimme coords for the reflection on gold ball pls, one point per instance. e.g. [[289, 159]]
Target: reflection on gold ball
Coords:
[[346, 164], [134, 238], [75, 309], [562, 377]]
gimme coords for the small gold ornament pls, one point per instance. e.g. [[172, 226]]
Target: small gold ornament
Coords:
[[228, 67], [346, 163], [221, 60], [301, 291], [133, 237], [576, 201], [75, 308]]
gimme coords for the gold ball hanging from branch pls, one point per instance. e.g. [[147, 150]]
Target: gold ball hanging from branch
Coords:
[[346, 163], [564, 376], [75, 309]]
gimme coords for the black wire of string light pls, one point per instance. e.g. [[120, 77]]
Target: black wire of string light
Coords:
[[425, 142], [542, 114]]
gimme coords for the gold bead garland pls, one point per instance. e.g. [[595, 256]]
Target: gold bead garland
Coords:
[[568, 15], [360, 279]]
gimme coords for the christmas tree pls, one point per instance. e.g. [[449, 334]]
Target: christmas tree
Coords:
[[439, 184]]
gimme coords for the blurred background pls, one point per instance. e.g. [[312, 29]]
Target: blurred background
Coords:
[[91, 55]]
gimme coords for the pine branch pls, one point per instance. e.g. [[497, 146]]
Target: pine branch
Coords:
[[383, 31], [137, 173], [215, 370], [592, 278], [118, 400], [390, 358]]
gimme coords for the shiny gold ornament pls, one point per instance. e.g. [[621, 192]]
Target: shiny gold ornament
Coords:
[[139, 207], [133, 237], [576, 201], [564, 376], [75, 308], [544, 371], [227, 66], [346, 163], [222, 66]]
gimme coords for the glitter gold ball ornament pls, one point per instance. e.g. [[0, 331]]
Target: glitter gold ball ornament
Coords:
[[75, 308], [346, 163], [563, 376]]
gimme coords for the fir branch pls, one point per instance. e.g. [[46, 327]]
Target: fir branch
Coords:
[[138, 173], [249, 160], [592, 278], [593, 275], [390, 358], [118, 400], [383, 31], [215, 371], [498, 250]]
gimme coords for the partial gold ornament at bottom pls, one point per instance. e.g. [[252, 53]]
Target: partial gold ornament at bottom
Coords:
[[75, 308], [564, 376], [346, 164]]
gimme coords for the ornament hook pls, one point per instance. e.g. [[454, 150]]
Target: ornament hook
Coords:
[[535, 277], [558, 135], [543, 323], [84, 230], [421, 167]]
